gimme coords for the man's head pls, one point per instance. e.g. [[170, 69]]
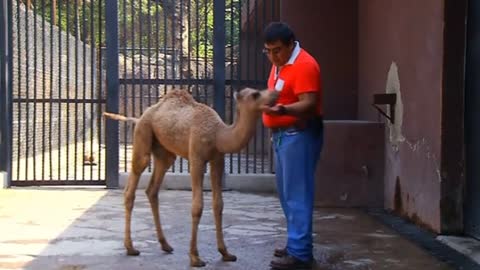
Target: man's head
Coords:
[[279, 42]]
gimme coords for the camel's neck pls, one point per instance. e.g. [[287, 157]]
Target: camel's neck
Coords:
[[231, 139]]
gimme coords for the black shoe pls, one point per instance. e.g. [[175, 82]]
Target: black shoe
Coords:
[[288, 262], [280, 252]]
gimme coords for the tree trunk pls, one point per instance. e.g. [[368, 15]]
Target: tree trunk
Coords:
[[177, 13], [54, 12]]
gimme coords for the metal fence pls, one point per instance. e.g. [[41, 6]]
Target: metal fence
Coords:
[[56, 106], [72, 60], [175, 46]]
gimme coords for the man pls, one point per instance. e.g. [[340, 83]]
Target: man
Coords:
[[297, 137]]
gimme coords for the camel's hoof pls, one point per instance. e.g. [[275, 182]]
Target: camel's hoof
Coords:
[[197, 262], [229, 258], [132, 252], [167, 248]]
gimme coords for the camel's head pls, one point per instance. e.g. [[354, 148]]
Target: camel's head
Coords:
[[253, 100]]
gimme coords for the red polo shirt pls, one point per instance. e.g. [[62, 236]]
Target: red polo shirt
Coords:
[[300, 75]]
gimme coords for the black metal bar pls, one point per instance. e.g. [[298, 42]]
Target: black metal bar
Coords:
[[75, 139], [264, 76], [133, 98], [50, 109], [239, 68], [181, 58], [9, 109], [157, 47], [140, 41], [112, 142], [28, 183], [100, 88], [68, 92], [205, 55], [19, 90], [149, 54], [165, 51], [181, 42], [231, 74], [27, 88], [43, 89], [4, 77], [197, 45], [125, 99], [35, 70], [92, 77], [189, 27], [58, 100], [255, 54], [3, 84], [192, 81], [60, 53], [219, 59], [173, 43], [84, 87], [248, 73], [174, 60], [189, 50]]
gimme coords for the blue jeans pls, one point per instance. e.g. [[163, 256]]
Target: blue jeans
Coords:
[[296, 156]]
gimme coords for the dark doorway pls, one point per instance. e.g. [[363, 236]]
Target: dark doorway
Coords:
[[472, 122]]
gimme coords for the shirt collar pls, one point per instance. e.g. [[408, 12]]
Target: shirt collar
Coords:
[[295, 53], [293, 57]]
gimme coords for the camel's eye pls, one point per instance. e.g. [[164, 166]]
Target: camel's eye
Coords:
[[256, 95]]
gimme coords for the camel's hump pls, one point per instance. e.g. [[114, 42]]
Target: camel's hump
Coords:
[[182, 96]]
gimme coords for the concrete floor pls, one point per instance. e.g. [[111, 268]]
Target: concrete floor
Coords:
[[73, 229]]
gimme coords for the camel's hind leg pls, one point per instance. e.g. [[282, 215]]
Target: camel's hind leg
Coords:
[[217, 168], [142, 146], [163, 161]]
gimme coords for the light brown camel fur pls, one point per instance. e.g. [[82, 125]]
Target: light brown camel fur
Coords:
[[178, 125]]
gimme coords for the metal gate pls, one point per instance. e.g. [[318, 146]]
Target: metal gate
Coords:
[[210, 48], [472, 127], [71, 60], [57, 93]]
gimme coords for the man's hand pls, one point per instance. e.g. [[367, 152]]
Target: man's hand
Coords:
[[278, 109]]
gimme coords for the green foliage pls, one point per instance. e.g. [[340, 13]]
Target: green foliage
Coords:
[[143, 22]]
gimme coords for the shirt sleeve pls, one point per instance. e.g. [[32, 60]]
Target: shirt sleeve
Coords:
[[307, 78]]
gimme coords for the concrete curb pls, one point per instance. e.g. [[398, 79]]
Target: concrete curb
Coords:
[[3, 180], [259, 183]]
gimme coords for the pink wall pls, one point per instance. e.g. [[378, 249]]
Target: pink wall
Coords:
[[405, 37]]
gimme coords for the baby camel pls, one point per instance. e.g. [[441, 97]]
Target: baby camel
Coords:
[[178, 125]]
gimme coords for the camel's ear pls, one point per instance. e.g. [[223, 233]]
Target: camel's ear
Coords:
[[237, 96]]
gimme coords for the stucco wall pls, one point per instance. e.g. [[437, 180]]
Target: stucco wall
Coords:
[[400, 51]]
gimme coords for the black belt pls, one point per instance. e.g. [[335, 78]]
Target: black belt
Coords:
[[315, 123]]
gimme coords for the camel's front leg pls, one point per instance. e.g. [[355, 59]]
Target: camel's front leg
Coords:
[[196, 170], [217, 168]]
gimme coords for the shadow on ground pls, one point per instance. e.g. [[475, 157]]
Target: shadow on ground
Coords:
[[77, 229]]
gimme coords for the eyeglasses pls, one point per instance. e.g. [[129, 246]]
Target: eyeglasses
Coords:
[[275, 50]]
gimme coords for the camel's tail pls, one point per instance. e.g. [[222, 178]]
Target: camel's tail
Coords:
[[119, 117]]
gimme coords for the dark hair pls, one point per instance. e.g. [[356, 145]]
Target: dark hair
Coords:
[[278, 31]]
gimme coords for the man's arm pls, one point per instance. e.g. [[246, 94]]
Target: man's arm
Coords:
[[305, 107]]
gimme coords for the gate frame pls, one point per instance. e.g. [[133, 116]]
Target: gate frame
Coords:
[[112, 105], [5, 91], [113, 80]]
